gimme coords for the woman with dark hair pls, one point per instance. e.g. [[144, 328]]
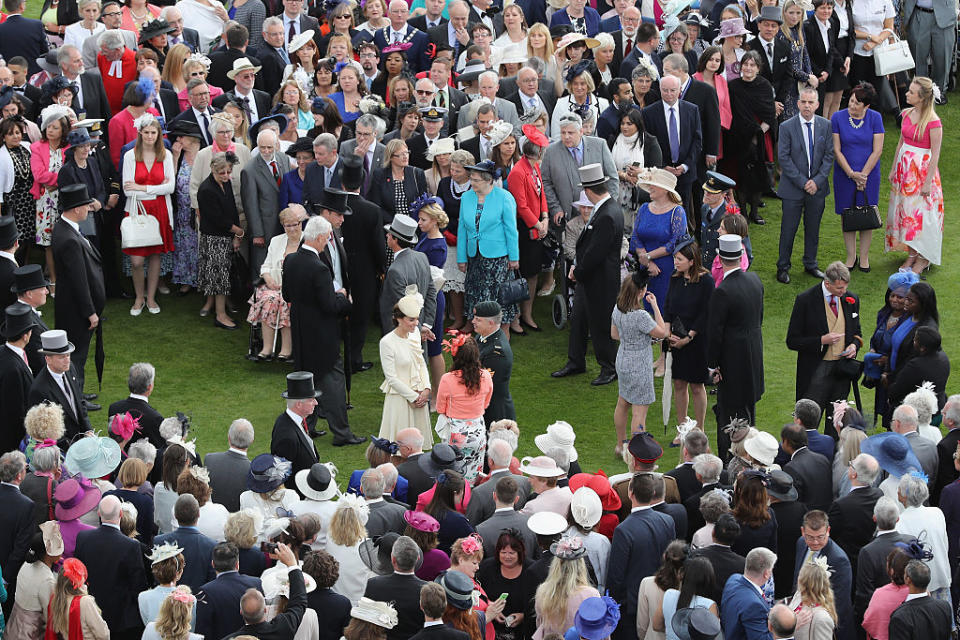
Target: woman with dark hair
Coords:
[[352, 89], [396, 184], [324, 80], [331, 607], [405, 123], [635, 328], [709, 71], [685, 314], [751, 508], [340, 20], [406, 384], [750, 143], [174, 460], [422, 529], [889, 319], [928, 363], [633, 150], [449, 492], [394, 63], [920, 306], [856, 174], [462, 398], [431, 220], [80, 168], [652, 588], [137, 101], [698, 583], [451, 190], [506, 571], [326, 119], [17, 181], [876, 619], [505, 153]]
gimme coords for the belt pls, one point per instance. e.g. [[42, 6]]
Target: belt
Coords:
[[924, 9], [60, 35]]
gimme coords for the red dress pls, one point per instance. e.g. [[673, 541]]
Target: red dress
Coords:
[[156, 208]]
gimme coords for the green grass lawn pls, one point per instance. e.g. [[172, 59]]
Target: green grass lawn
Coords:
[[202, 372]]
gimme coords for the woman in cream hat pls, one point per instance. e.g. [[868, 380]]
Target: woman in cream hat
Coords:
[[304, 56], [406, 378], [504, 150], [762, 449], [370, 620], [439, 157], [35, 583], [586, 509]]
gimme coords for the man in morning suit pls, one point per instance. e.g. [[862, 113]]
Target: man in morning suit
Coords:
[[57, 382], [921, 616], [433, 602], [676, 124], [735, 347], [707, 468], [253, 608], [81, 295], [30, 288], [596, 273], [872, 561], [401, 587], [805, 151], [384, 516], [851, 516], [90, 99], [409, 267], [508, 492], [20, 36], [273, 54], [15, 375], [296, 21], [931, 31], [115, 567], [217, 610], [744, 615], [222, 61], [815, 542], [724, 560], [140, 383], [9, 243], [197, 548], [228, 469], [694, 443], [946, 469], [676, 511], [17, 524], [259, 192], [316, 311], [811, 472], [291, 437], [638, 544], [399, 31], [410, 441]]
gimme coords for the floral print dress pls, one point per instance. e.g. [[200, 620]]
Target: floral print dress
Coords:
[[186, 249], [48, 204]]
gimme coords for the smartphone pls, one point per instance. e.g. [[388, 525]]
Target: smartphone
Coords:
[[636, 165], [509, 620], [268, 547], [504, 596]]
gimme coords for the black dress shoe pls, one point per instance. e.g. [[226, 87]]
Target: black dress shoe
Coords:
[[756, 219], [93, 406], [361, 367], [815, 272], [316, 433], [529, 326], [353, 440], [89, 396], [603, 378], [783, 276], [220, 325], [568, 370]]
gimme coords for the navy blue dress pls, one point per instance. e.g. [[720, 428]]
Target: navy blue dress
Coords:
[[654, 230], [436, 250]]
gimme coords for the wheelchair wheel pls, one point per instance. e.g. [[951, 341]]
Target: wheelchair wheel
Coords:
[[559, 311]]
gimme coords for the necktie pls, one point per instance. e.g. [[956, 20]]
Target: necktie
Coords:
[[366, 173], [23, 354], [306, 429], [531, 104], [833, 306], [627, 47], [396, 37], [770, 50], [206, 127], [245, 105], [292, 33], [577, 158], [674, 136], [276, 171], [157, 105], [283, 54], [440, 99], [66, 392], [174, 40], [810, 150], [429, 143]]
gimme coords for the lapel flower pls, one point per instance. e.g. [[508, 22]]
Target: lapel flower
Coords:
[[850, 299]]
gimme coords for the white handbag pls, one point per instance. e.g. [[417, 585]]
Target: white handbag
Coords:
[[892, 57], [139, 228]]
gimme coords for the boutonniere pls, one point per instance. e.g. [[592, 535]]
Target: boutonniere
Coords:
[[854, 315], [589, 226], [850, 300]]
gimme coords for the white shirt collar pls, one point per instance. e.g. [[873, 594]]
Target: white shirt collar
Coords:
[[796, 452], [373, 500], [597, 204], [726, 273], [17, 350], [641, 508], [432, 623], [297, 420], [883, 533], [914, 596], [139, 397], [503, 509], [804, 122], [235, 450], [76, 227], [9, 256], [309, 248]]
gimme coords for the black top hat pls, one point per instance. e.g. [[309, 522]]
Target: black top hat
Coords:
[[8, 232], [27, 278], [645, 448], [279, 118], [73, 196], [53, 86], [18, 320], [442, 456], [6, 95], [154, 28], [351, 172], [302, 144], [334, 200], [300, 386], [717, 182], [183, 128]]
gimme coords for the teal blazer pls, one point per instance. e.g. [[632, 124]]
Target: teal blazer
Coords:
[[497, 235]]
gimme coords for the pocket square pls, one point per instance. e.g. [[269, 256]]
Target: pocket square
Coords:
[[589, 226], [854, 315]]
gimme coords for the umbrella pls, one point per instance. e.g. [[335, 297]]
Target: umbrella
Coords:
[[666, 395], [347, 366], [99, 356]]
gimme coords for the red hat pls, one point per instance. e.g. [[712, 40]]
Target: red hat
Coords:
[[609, 499], [533, 135]]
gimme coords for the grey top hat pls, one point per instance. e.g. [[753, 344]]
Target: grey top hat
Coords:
[[54, 343], [591, 175], [730, 246], [403, 227], [771, 13]]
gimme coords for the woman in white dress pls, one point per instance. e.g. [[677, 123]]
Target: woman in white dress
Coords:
[[347, 530], [304, 55], [406, 377], [89, 25], [514, 36]]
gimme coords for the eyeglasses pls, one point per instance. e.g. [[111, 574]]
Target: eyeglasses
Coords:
[[198, 74], [369, 55], [341, 17], [401, 154], [200, 95], [112, 14], [361, 134], [820, 538], [425, 92]]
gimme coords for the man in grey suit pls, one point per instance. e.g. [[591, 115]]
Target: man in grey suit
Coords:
[[228, 469], [530, 96], [482, 504], [489, 83], [931, 34], [905, 422], [505, 517], [805, 150], [409, 267], [90, 100], [259, 192], [366, 145], [384, 516]]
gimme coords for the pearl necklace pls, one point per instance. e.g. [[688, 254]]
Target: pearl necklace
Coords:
[[856, 126]]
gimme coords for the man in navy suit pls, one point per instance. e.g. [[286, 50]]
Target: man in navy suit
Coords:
[[814, 543], [200, 111], [805, 151], [638, 544], [20, 36], [324, 173], [17, 525], [744, 613], [676, 124], [197, 548], [218, 613], [806, 413], [645, 45], [273, 54], [180, 34], [398, 31], [433, 602], [674, 510]]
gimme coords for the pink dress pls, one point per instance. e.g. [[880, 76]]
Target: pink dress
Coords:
[[876, 620]]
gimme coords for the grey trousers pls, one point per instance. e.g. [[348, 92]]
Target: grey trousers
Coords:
[[931, 47], [810, 208]]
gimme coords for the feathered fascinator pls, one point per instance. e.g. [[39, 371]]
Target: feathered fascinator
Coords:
[[145, 89], [372, 104], [422, 201], [76, 572], [471, 545], [755, 473], [916, 549], [200, 473], [385, 444], [737, 429], [685, 427], [920, 475], [146, 120], [357, 504], [823, 565], [163, 552], [839, 408], [396, 46], [124, 425], [457, 340], [199, 57], [182, 594], [189, 445]]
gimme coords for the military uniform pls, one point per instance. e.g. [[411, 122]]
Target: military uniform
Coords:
[[496, 355]]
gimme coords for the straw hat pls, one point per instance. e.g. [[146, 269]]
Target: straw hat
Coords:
[[570, 38], [242, 64], [663, 179]]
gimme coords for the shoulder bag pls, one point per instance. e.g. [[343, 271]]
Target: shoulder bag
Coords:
[[139, 228], [860, 217], [514, 290], [892, 57]]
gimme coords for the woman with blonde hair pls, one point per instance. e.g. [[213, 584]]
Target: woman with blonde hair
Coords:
[[582, 98], [438, 155], [813, 602], [347, 531], [72, 613], [540, 45], [44, 421], [241, 529], [196, 65], [431, 220], [173, 66], [915, 213], [848, 448], [240, 123], [799, 67], [339, 47], [175, 617], [132, 474], [567, 585]]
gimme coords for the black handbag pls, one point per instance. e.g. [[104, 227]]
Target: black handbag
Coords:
[[678, 329], [514, 291], [863, 217], [849, 368]]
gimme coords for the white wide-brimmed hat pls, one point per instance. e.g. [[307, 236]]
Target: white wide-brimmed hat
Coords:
[[762, 447], [298, 41], [499, 131], [541, 467], [570, 38], [375, 612], [547, 523], [663, 179], [559, 434], [276, 582]]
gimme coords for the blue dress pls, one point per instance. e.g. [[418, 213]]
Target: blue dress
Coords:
[[291, 189], [436, 250], [856, 145], [653, 230], [348, 116]]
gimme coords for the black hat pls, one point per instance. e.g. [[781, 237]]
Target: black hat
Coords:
[[334, 200], [375, 553], [300, 386], [28, 277], [317, 482], [442, 456], [485, 166], [351, 171], [684, 241], [73, 196], [254, 129], [645, 448], [183, 128], [53, 86], [18, 320], [780, 486], [717, 182], [434, 114], [557, 31], [302, 144], [487, 309], [154, 28], [79, 136], [8, 232], [6, 95], [695, 623]]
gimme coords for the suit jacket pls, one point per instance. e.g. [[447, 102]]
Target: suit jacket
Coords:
[[745, 615], [841, 580], [691, 136], [284, 625], [190, 38], [37, 361], [506, 111], [75, 420], [349, 148], [808, 322], [218, 612], [932, 367], [440, 35], [617, 34], [638, 544], [692, 505], [946, 472], [417, 479], [547, 97], [221, 62], [482, 504], [15, 382], [497, 19], [598, 254], [794, 163], [631, 61], [420, 22], [440, 632], [20, 36], [417, 56], [533, 10], [261, 100], [735, 342], [364, 242], [197, 551], [409, 267], [169, 103], [273, 65], [704, 97], [150, 418], [872, 568], [789, 520], [812, 475], [686, 480], [404, 592], [189, 116], [944, 12], [499, 521], [228, 477], [780, 75], [17, 526], [260, 192], [924, 617], [291, 442], [725, 563], [820, 59], [385, 516], [314, 182], [679, 515], [116, 573], [90, 48], [851, 521], [561, 178], [80, 290], [95, 102], [926, 453]]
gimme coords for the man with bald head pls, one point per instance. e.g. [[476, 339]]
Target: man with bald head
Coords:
[[625, 38], [454, 33], [411, 448], [398, 31], [851, 516], [115, 570], [782, 622], [253, 608]]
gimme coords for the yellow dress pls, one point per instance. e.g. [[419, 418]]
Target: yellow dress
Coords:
[[405, 376]]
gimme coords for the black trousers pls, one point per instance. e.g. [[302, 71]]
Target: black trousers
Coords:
[[81, 342], [332, 403], [364, 304], [591, 316], [826, 387]]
